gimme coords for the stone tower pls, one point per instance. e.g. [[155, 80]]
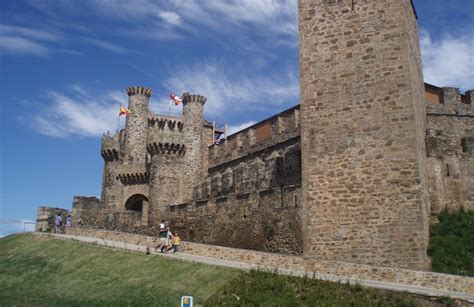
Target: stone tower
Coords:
[[363, 126], [136, 124], [193, 139], [165, 178]]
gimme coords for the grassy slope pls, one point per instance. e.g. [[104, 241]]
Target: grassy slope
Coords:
[[254, 288], [39, 271], [452, 243]]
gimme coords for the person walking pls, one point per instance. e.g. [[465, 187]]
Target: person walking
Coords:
[[176, 241], [58, 222], [68, 221], [164, 241]]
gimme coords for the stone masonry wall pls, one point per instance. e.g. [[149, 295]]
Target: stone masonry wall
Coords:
[[166, 184], [364, 191], [193, 138], [276, 129], [137, 124], [45, 218], [450, 149], [88, 211], [250, 181], [252, 202], [267, 260]]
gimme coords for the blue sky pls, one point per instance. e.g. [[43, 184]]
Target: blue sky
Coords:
[[64, 67]]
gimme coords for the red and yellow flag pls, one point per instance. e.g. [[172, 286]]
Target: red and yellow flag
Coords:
[[124, 111]]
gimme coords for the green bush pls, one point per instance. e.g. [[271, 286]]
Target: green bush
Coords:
[[452, 243]]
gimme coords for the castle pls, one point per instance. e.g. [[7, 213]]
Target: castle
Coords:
[[352, 174]]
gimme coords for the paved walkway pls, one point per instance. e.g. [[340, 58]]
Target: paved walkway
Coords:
[[395, 287]]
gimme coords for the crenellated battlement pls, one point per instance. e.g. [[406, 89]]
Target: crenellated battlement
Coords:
[[162, 122], [137, 90], [130, 174], [165, 148], [131, 179], [110, 150], [188, 97], [448, 101], [276, 129]]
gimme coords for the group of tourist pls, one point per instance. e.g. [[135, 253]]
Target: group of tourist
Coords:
[[58, 222], [168, 240]]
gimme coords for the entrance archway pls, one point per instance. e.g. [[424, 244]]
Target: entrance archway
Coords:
[[135, 202]]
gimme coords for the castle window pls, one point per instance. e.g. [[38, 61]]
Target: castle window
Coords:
[[135, 202]]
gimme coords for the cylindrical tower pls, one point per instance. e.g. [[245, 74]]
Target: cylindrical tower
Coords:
[[165, 174], [192, 135], [136, 124]]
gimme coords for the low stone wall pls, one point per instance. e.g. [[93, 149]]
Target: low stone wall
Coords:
[[413, 278]]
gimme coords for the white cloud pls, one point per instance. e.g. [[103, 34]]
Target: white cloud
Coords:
[[105, 45], [20, 45], [27, 41], [279, 16], [268, 18], [9, 226], [448, 61], [78, 114], [230, 90], [33, 34], [170, 17]]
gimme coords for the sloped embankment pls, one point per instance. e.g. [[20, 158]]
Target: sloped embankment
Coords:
[[41, 271], [44, 271]]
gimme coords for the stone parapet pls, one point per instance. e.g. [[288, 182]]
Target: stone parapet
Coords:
[[188, 97], [137, 90], [463, 286], [130, 174], [448, 101], [158, 148], [87, 210], [45, 218], [274, 130], [164, 129], [169, 122], [110, 150]]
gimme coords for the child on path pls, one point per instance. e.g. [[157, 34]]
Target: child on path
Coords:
[[176, 241]]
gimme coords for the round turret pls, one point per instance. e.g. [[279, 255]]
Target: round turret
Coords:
[[136, 124], [193, 139]]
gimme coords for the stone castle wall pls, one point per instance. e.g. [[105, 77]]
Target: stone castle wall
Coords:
[[362, 116], [253, 202], [45, 218], [345, 176], [450, 148]]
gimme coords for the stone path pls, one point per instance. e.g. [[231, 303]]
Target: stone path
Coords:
[[395, 287]]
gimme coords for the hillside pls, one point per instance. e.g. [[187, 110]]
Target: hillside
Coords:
[[43, 271]]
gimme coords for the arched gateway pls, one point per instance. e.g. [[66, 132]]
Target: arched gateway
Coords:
[[136, 202]]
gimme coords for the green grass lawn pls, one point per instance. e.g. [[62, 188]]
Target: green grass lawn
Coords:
[[266, 289], [40, 271], [452, 243], [43, 271]]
